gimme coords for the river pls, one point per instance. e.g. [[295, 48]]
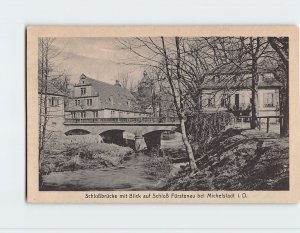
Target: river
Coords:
[[132, 175]]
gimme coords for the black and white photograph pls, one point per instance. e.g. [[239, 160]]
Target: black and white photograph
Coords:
[[163, 113]]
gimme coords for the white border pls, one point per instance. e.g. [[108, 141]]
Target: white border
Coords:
[[15, 15]]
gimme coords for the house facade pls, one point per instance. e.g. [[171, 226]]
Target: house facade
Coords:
[[52, 102], [233, 93], [93, 99]]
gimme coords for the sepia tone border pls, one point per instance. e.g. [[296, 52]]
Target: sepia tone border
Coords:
[[33, 193]]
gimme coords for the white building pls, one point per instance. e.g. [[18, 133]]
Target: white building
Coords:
[[54, 107], [233, 93]]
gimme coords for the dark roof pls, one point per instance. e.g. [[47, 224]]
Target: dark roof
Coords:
[[239, 81], [230, 68], [111, 96], [244, 68], [52, 88]]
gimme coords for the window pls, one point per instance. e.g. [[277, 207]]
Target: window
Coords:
[[225, 101], [216, 79], [268, 100], [77, 102], [83, 115], [89, 102], [208, 100], [73, 114], [112, 113], [83, 90], [211, 101], [128, 103], [53, 101], [95, 113]]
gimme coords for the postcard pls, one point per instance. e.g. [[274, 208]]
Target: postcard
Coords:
[[163, 114]]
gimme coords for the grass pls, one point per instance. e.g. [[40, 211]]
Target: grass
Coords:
[[62, 155], [159, 167], [239, 160]]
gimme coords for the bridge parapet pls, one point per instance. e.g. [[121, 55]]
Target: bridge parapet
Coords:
[[149, 131], [135, 120]]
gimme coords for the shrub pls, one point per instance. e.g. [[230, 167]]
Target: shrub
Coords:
[[202, 127], [159, 167]]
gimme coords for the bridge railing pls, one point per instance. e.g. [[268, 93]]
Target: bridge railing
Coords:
[[121, 120]]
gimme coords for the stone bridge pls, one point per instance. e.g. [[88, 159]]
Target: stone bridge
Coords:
[[143, 130]]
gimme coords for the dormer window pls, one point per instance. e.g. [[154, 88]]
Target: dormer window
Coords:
[[83, 90], [216, 79]]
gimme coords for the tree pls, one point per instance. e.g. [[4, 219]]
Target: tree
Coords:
[[281, 46], [256, 48], [50, 80], [244, 55], [169, 58]]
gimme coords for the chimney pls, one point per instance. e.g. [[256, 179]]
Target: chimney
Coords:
[[117, 84]]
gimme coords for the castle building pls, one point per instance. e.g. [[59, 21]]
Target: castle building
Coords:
[[93, 99]]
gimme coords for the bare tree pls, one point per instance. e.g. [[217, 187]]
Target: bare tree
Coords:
[[281, 46], [243, 55], [167, 57], [51, 81]]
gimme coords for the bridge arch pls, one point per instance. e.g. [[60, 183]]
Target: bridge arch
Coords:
[[116, 136], [77, 132]]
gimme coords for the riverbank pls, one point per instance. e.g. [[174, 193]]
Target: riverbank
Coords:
[[77, 166], [238, 160], [65, 155]]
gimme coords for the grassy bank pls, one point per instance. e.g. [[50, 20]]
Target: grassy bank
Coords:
[[65, 155], [238, 160]]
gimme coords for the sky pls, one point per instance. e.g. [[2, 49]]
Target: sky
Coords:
[[103, 59]]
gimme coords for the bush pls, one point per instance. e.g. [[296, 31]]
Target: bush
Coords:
[[159, 167], [61, 155], [202, 127]]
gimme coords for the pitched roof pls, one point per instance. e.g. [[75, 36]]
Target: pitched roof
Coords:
[[52, 88], [111, 96], [239, 81]]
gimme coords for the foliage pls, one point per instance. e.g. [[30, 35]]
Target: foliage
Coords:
[[243, 163], [60, 155], [159, 167], [202, 127]]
